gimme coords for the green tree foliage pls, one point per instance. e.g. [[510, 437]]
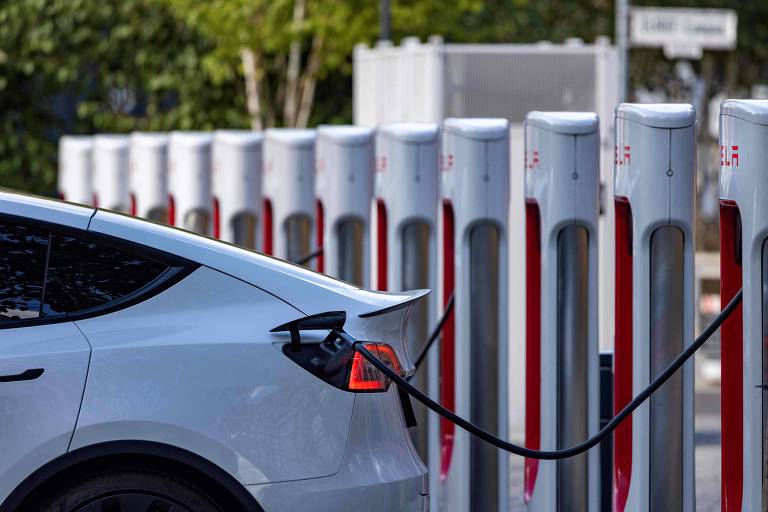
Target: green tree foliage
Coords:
[[83, 66], [280, 48]]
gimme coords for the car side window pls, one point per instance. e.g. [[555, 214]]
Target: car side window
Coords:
[[47, 274], [23, 251], [84, 274]]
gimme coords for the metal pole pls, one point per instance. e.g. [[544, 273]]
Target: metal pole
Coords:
[[622, 26], [385, 21]]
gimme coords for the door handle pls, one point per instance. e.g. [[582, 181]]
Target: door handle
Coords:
[[30, 374]]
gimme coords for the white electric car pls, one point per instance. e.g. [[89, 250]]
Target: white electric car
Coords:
[[138, 373]]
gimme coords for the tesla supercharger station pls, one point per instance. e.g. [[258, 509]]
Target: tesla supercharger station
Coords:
[[562, 181], [111, 164], [744, 263], [76, 169], [237, 202], [189, 181], [654, 196], [149, 176], [344, 189], [289, 193], [472, 251], [404, 241]]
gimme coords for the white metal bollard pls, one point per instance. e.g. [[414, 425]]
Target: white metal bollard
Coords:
[[75, 180], [344, 189], [654, 195], [110, 172], [472, 248], [744, 263], [289, 193], [189, 181], [237, 178], [149, 175], [404, 248], [562, 180]]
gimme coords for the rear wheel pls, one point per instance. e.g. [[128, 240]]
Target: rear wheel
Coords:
[[131, 490]]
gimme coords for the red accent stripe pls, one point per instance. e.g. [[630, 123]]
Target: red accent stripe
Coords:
[[532, 342], [448, 345], [133, 204], [268, 227], [216, 218], [319, 234], [622, 370], [95, 200], [731, 359], [381, 245], [171, 210], [61, 195]]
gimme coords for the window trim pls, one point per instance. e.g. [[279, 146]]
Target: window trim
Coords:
[[178, 269]]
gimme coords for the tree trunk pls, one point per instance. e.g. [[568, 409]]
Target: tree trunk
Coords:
[[251, 74], [294, 66], [308, 82]]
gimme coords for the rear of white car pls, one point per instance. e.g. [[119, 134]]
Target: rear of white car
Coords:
[[192, 371]]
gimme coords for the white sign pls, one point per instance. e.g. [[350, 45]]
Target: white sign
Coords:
[[683, 33]]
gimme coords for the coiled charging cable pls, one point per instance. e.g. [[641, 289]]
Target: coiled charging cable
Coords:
[[673, 367]]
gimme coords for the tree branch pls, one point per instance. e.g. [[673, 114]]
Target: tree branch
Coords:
[[294, 66], [252, 74], [309, 80]]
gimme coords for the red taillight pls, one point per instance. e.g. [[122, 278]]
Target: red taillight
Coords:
[[364, 377]]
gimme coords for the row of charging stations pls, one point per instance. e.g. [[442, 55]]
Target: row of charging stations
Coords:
[[428, 208]]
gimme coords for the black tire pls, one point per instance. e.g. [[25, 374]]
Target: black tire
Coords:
[[130, 490]]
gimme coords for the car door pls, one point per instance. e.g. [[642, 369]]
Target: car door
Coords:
[[43, 358]]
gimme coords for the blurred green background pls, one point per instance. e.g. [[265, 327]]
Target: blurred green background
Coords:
[[83, 66]]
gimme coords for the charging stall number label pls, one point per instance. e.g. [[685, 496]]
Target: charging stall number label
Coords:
[[729, 155], [533, 162], [445, 162], [622, 155], [381, 163]]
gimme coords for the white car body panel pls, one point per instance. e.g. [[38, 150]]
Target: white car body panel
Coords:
[[310, 292], [381, 471], [235, 383], [37, 417]]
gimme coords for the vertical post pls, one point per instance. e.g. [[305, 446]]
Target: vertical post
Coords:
[[403, 243], [344, 188], [473, 245], [622, 42], [562, 373], [654, 197], [189, 180], [744, 264], [237, 182], [110, 172], [289, 193], [75, 169], [149, 175], [385, 21]]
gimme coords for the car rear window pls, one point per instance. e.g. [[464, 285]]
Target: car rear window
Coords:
[[83, 274], [47, 274]]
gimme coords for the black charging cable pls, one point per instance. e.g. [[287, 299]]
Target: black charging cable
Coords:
[[670, 370], [309, 257], [438, 330]]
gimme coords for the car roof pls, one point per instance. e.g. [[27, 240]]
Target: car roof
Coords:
[[45, 210], [308, 291]]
